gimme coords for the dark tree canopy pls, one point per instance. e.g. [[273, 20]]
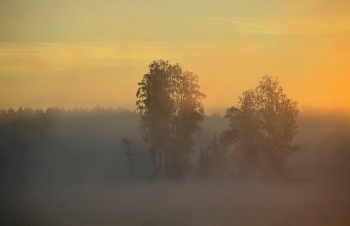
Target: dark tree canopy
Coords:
[[261, 128], [244, 132], [214, 159], [169, 101]]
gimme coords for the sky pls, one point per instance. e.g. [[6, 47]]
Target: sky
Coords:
[[85, 53]]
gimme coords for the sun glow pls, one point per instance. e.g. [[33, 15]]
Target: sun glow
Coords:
[[96, 54]]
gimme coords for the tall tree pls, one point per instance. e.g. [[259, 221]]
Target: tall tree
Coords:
[[277, 114], [261, 128], [188, 112], [244, 132], [169, 102], [154, 104]]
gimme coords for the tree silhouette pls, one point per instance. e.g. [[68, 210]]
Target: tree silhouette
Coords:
[[169, 102], [128, 152], [277, 115], [244, 132], [262, 126], [154, 106], [214, 158]]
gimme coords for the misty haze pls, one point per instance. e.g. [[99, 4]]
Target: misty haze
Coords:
[[98, 167], [157, 113]]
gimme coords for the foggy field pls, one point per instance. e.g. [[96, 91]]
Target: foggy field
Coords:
[[174, 113], [76, 173], [183, 203]]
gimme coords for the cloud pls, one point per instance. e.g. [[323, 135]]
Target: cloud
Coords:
[[287, 25], [44, 58]]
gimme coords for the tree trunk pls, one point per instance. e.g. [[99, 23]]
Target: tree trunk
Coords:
[[154, 159], [160, 163], [132, 169]]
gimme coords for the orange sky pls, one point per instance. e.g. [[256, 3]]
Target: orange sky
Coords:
[[87, 53]]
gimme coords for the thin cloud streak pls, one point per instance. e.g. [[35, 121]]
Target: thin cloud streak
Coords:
[[285, 25], [21, 57]]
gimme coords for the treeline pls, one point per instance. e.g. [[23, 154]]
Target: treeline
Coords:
[[78, 150], [86, 146], [71, 146], [51, 112], [324, 137], [254, 137], [68, 146]]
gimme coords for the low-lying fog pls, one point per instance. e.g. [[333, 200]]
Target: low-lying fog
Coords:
[[180, 203], [74, 172]]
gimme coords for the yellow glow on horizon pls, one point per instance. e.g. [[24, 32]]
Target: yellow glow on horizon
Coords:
[[74, 75], [98, 57]]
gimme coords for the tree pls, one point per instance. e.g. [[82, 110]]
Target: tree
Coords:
[[213, 158], [128, 152], [169, 102], [187, 113], [277, 115], [244, 132], [261, 128], [154, 105]]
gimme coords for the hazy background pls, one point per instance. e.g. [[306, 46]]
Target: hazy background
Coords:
[[88, 53], [70, 169]]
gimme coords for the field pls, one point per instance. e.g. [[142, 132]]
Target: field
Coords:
[[77, 174]]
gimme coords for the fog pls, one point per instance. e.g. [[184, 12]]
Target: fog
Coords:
[[69, 168]]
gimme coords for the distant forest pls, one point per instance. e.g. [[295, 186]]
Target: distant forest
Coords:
[[263, 161], [263, 135], [80, 145]]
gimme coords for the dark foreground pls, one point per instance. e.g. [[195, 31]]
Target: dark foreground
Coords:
[[47, 166], [180, 203]]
